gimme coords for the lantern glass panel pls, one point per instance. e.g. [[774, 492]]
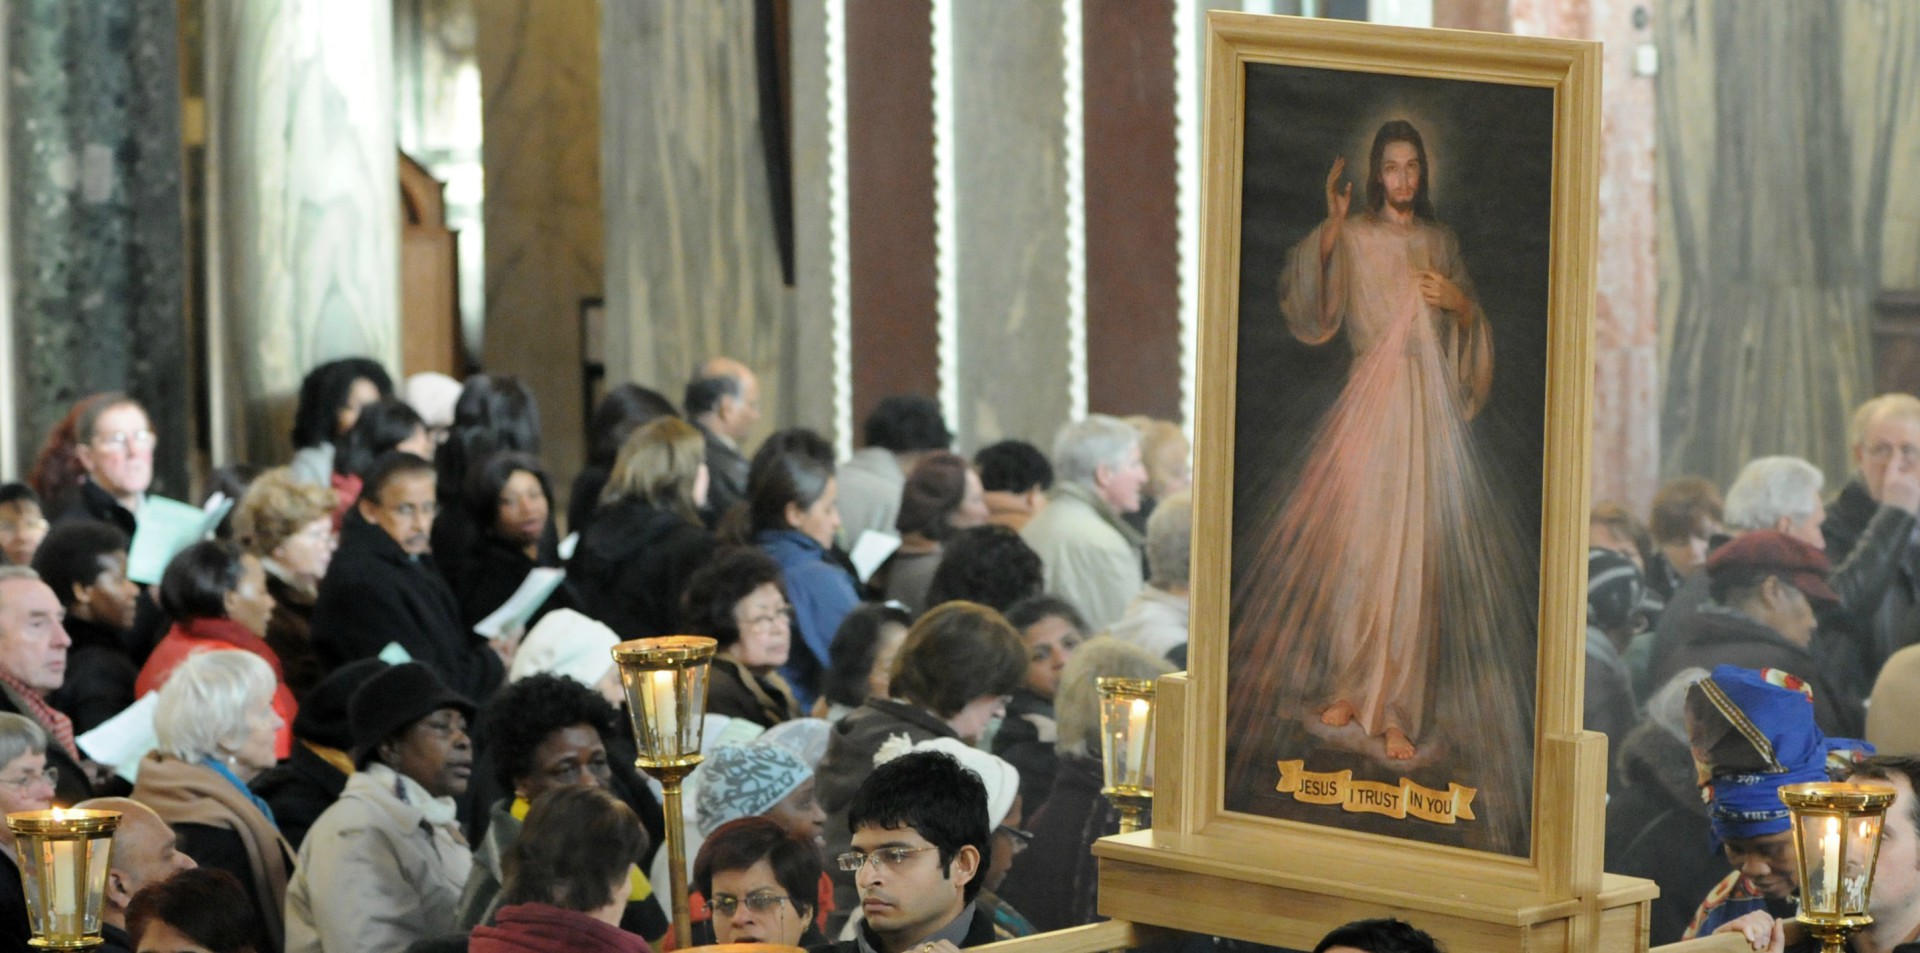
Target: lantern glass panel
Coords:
[[1126, 741]]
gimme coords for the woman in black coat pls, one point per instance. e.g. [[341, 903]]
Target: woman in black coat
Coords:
[[509, 497], [633, 562]]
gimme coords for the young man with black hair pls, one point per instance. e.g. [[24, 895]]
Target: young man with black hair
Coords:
[[382, 587], [921, 847]]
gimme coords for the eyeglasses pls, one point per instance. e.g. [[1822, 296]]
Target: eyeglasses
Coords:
[[759, 902], [886, 858], [50, 775], [1021, 840], [12, 528], [1882, 452], [138, 440], [407, 511], [782, 614]]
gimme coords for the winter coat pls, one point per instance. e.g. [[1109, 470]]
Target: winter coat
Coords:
[[221, 826], [1718, 635], [1092, 558], [374, 875], [540, 928], [299, 790], [1055, 882], [631, 568], [1156, 620], [733, 690], [100, 675], [375, 595], [495, 568], [871, 482], [290, 635], [1026, 740], [821, 593], [1657, 828]]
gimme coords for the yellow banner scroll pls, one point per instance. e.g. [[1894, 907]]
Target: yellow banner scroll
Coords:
[[1397, 801]]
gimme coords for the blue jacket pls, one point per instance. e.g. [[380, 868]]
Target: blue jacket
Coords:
[[821, 593]]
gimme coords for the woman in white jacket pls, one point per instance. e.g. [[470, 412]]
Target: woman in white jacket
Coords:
[[384, 866]]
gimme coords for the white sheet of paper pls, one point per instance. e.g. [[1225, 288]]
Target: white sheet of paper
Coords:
[[525, 601], [870, 550], [125, 738], [568, 545], [165, 527]]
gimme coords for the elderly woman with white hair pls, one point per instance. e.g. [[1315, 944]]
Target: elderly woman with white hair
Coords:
[[26, 784], [1157, 618], [1092, 556], [216, 725]]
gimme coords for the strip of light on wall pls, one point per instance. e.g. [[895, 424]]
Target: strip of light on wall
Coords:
[[1076, 188], [946, 216], [1188, 20], [840, 254]]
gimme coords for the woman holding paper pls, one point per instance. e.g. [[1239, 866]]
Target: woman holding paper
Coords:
[[509, 496], [26, 784], [217, 596]]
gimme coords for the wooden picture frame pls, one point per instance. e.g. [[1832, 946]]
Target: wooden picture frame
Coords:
[[1522, 100]]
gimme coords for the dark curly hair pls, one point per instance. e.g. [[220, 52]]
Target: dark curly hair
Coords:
[[718, 586], [990, 565], [854, 646], [527, 711], [1383, 935]]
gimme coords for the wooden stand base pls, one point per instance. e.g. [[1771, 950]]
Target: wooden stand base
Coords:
[[1173, 881]]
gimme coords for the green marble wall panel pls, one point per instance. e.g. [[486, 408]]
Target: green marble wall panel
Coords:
[[97, 233]]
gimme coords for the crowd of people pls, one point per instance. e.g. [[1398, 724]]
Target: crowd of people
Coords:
[[362, 746], [354, 751], [1743, 641]]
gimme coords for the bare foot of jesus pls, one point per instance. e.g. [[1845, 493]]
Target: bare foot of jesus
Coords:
[[1398, 747], [1338, 713]]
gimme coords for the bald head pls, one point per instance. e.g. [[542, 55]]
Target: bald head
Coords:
[[145, 851], [724, 397]]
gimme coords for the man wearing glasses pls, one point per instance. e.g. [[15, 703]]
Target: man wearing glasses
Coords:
[[115, 444], [382, 588], [922, 844]]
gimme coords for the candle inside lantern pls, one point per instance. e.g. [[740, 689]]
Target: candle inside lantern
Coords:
[[1830, 860], [666, 714], [1137, 715], [65, 855]]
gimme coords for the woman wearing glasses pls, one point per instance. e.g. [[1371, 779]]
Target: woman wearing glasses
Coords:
[[761, 879], [568, 877], [26, 784], [740, 601]]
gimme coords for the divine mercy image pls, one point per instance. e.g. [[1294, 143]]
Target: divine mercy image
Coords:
[[1385, 586]]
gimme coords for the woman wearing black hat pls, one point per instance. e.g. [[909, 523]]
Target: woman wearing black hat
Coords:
[[384, 866]]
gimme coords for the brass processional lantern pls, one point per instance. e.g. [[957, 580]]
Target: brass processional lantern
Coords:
[[666, 684]]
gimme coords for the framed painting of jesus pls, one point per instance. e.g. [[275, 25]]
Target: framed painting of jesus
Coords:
[[1392, 436]]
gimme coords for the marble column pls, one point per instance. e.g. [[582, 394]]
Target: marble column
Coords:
[[1626, 405], [97, 234], [1008, 299], [693, 267], [820, 392], [540, 81], [304, 205]]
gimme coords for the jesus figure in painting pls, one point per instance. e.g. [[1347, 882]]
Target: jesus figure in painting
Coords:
[[1388, 577]]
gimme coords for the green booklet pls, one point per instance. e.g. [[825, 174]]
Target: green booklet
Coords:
[[164, 528]]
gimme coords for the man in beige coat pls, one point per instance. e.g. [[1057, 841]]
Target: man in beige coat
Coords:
[[1092, 556]]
